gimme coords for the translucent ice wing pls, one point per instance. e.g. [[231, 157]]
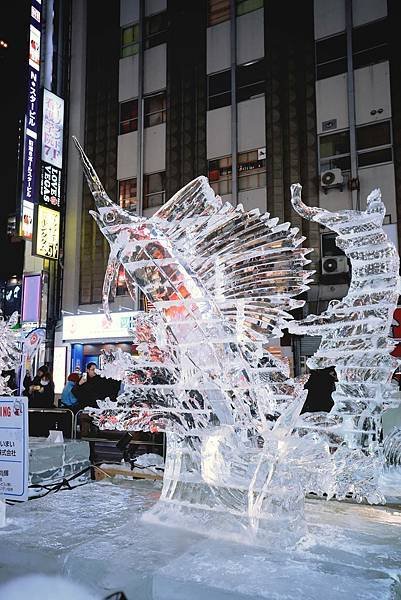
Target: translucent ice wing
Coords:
[[195, 199]]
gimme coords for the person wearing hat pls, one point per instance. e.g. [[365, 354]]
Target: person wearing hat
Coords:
[[40, 389]]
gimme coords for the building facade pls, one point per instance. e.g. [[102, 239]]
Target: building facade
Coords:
[[254, 94]]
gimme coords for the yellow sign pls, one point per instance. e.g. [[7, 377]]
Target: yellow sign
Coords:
[[47, 233]]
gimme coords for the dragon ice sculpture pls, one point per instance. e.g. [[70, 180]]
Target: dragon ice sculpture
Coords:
[[355, 333], [222, 281]]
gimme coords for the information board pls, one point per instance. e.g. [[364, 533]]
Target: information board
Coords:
[[14, 447]]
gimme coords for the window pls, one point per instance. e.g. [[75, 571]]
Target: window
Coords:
[[250, 80], [373, 143], [127, 194], [334, 144], [128, 116], [219, 173], [218, 11], [369, 43], [130, 40], [252, 169], [246, 6], [154, 189], [369, 46], [155, 109], [335, 151], [331, 56], [219, 90], [156, 30]]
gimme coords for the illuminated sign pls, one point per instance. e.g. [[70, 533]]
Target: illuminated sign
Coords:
[[52, 129], [26, 224], [30, 156], [97, 327], [46, 233], [31, 298], [50, 185]]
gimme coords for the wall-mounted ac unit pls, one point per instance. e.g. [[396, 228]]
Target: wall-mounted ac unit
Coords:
[[331, 178], [334, 265]]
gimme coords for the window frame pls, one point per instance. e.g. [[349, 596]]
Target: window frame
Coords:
[[225, 16], [120, 122], [217, 95], [162, 111], [147, 195], [151, 40], [134, 45], [122, 201], [261, 82], [259, 171], [240, 3]]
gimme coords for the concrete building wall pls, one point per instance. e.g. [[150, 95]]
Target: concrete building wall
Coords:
[[127, 155], [218, 132], [329, 17], [253, 199], [155, 149], [332, 101], [372, 93], [218, 47], [128, 78], [364, 11], [72, 237], [155, 70], [129, 12], [155, 6], [251, 124], [250, 36]]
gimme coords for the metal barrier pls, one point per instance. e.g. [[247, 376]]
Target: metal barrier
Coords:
[[41, 425], [75, 422]]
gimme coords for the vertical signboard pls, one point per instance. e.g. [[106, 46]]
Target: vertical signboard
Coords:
[[52, 149], [31, 131], [31, 300], [14, 447], [52, 129], [46, 233]]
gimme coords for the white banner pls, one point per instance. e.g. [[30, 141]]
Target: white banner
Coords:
[[14, 447]]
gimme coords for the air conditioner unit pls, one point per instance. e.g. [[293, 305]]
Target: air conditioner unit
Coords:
[[331, 177], [334, 265]]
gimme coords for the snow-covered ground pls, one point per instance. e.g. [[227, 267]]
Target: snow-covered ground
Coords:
[[94, 535]]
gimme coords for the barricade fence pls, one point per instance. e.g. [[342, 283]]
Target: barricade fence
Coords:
[[42, 420]]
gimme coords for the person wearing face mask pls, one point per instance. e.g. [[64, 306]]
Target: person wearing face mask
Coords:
[[41, 389]]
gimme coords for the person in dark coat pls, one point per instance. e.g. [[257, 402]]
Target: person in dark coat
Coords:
[[91, 387], [320, 386], [40, 389]]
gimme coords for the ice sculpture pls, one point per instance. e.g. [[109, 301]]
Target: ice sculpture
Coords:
[[9, 351], [355, 340], [222, 280]]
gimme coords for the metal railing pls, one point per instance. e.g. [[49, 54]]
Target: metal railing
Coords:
[[56, 411]]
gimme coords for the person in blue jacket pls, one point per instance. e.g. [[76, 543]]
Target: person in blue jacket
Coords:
[[68, 400]]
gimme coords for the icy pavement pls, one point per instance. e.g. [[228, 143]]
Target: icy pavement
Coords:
[[94, 534]]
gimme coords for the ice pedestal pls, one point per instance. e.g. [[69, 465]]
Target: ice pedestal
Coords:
[[51, 462], [95, 534]]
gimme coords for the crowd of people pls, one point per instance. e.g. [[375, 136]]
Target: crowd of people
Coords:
[[81, 390]]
